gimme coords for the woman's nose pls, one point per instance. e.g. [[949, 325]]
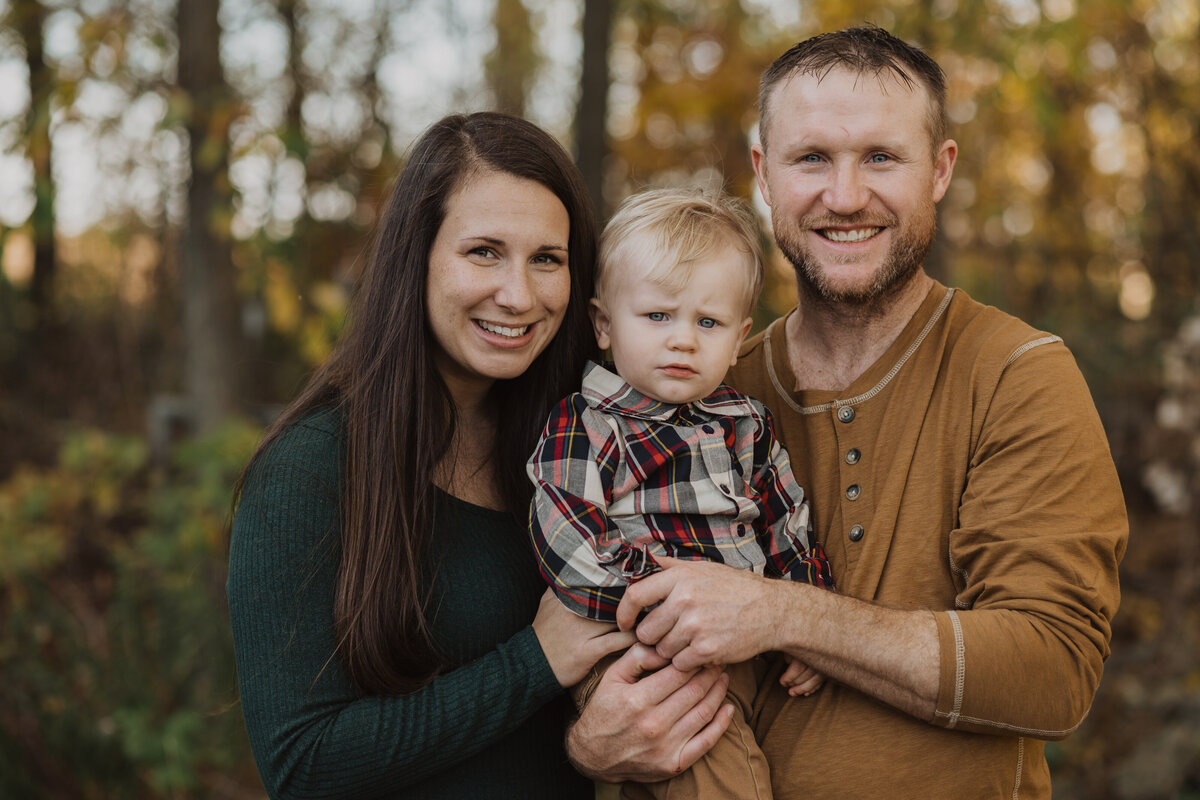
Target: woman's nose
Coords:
[[515, 293]]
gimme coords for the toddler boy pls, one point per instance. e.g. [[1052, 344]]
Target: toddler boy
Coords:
[[659, 458]]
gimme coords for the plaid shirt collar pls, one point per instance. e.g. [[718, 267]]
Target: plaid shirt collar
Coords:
[[605, 390]]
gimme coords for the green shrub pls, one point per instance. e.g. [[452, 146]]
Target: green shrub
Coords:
[[117, 657]]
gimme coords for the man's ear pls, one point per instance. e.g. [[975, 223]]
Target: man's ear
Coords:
[[747, 323], [943, 168], [758, 157], [600, 323]]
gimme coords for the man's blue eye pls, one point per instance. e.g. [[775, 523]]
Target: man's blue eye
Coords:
[[708, 322]]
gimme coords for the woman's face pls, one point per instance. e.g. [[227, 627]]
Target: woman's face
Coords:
[[499, 282]]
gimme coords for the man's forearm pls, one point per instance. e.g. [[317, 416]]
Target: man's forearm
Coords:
[[890, 654], [704, 613]]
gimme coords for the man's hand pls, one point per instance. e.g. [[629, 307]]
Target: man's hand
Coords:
[[707, 614], [647, 720]]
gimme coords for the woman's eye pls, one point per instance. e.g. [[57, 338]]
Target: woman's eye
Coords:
[[708, 322], [482, 252], [547, 258], [656, 316]]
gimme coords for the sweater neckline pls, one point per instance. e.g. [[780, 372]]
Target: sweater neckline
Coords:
[[471, 508]]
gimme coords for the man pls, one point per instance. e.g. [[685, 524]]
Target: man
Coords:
[[960, 479]]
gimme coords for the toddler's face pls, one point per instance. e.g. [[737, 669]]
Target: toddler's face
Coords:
[[675, 346]]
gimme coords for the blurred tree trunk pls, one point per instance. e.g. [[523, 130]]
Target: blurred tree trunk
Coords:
[[29, 19], [513, 63], [208, 284], [591, 141], [290, 11]]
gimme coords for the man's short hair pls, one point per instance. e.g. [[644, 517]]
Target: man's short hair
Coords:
[[862, 50], [669, 230]]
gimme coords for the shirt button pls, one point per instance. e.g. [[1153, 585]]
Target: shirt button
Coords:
[[707, 429], [856, 533], [845, 413], [852, 455], [741, 530], [853, 491], [723, 488]]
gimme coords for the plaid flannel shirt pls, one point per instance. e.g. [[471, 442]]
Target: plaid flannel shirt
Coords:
[[620, 478]]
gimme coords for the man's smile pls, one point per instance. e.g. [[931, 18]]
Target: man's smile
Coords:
[[848, 236]]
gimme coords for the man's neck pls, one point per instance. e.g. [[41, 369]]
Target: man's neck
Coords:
[[830, 345]]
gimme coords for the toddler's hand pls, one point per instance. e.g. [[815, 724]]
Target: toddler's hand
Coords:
[[800, 678]]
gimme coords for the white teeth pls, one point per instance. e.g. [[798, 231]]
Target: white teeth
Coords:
[[856, 235], [500, 330]]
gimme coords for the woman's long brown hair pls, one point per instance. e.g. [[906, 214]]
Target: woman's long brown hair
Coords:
[[398, 414]]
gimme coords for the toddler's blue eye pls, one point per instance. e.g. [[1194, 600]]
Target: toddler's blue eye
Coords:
[[656, 316], [708, 322]]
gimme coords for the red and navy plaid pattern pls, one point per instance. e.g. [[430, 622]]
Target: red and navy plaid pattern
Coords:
[[620, 479]]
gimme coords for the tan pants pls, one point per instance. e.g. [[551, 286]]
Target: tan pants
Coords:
[[735, 768]]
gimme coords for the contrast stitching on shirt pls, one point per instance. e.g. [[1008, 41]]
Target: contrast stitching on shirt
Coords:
[[960, 668], [874, 390], [1035, 733], [956, 569], [1025, 348], [1020, 766]]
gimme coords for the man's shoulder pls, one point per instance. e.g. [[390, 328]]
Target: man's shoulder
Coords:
[[977, 331]]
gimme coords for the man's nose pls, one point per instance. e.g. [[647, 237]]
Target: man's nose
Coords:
[[847, 192]]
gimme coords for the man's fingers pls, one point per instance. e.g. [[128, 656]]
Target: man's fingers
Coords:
[[703, 741], [686, 701], [657, 624], [642, 594], [634, 663]]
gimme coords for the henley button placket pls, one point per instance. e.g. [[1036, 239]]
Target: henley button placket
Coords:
[[845, 414]]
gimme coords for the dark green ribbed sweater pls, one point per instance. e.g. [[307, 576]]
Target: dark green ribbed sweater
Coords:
[[490, 728]]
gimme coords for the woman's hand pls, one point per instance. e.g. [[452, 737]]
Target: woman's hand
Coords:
[[573, 644]]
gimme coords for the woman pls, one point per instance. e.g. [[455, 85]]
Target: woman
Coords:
[[381, 586]]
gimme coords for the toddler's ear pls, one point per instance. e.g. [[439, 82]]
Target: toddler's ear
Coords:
[[747, 323], [600, 323]]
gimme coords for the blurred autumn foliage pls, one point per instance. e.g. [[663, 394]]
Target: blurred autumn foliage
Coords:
[[186, 192]]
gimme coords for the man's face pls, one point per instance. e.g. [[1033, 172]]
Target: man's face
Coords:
[[852, 182]]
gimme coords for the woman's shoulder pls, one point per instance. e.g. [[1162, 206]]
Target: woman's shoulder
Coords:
[[312, 445], [318, 430]]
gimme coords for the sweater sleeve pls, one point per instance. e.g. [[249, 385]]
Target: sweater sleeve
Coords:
[[313, 734], [1041, 531]]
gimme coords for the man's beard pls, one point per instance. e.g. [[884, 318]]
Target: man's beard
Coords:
[[903, 259]]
